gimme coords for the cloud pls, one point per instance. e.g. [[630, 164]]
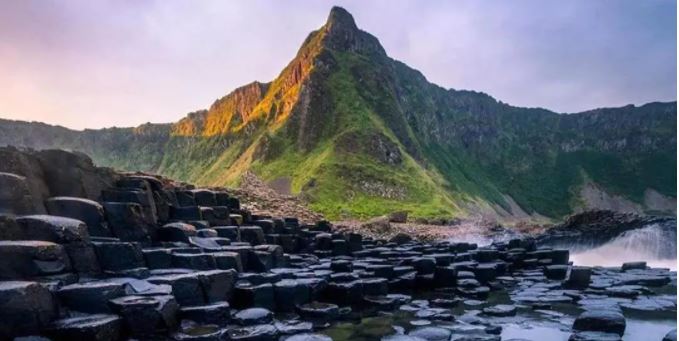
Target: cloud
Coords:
[[94, 64]]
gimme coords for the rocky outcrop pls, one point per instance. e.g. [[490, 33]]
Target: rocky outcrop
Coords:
[[158, 259], [593, 228]]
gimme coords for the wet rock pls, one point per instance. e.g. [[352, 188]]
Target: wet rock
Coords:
[[402, 338], [319, 311], [579, 277], [289, 293], [262, 332], [92, 297], [218, 313], [186, 288], [231, 232], [556, 272], [670, 336], [176, 232], [252, 234], [308, 337], [116, 256], [253, 316], [26, 259], [500, 310], [158, 258], [186, 213], [228, 260], [634, 266], [88, 327], [201, 261], [147, 315], [127, 222], [247, 295], [609, 321], [53, 229], [191, 331], [217, 284], [431, 333], [374, 286], [25, 307], [290, 327], [594, 336], [344, 292], [88, 211]]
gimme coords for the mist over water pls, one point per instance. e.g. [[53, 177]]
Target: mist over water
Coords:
[[654, 244]]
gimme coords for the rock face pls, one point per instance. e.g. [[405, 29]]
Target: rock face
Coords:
[[418, 147]]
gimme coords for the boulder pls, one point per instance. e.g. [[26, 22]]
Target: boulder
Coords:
[[579, 277], [88, 211], [253, 316], [604, 320], [217, 284], [25, 308], [16, 197], [398, 217], [127, 222], [147, 315], [117, 256], [252, 234], [247, 295], [91, 297], [26, 259], [186, 288], [53, 229]]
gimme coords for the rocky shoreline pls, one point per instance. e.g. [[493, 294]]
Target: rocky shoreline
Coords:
[[150, 259]]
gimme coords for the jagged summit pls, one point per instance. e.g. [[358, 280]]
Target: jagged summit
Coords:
[[340, 19], [341, 33]]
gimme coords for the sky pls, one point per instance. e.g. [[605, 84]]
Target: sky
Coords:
[[92, 64]]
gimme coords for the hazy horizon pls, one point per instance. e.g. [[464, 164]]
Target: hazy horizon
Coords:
[[120, 63]]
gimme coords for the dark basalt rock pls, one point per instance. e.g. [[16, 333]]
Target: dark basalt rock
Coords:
[[53, 229], [594, 336], [91, 297], [127, 221], [115, 256], [431, 333], [608, 321], [27, 259], [671, 336], [308, 337], [319, 310], [402, 338], [186, 288], [247, 295], [89, 327], [88, 211], [218, 313], [253, 316], [25, 307], [500, 310], [176, 232], [147, 315], [556, 272], [262, 332]]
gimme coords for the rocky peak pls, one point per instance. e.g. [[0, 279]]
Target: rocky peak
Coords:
[[342, 34]]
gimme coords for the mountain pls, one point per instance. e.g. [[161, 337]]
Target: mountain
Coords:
[[359, 134]]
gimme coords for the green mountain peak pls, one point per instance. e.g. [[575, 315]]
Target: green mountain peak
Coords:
[[358, 134]]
